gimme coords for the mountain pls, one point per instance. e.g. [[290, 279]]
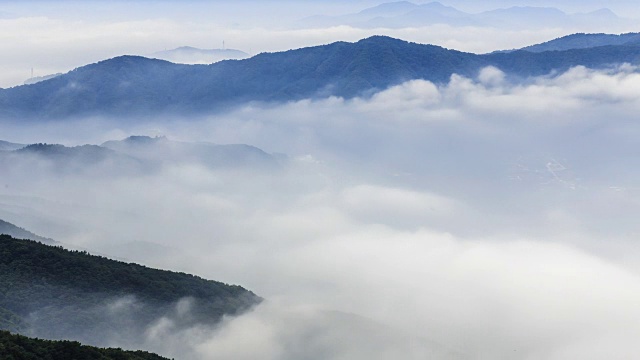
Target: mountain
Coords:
[[422, 15], [398, 14], [525, 63], [522, 16], [108, 84], [20, 233], [8, 146], [404, 14], [13, 346], [583, 41], [390, 9], [161, 149], [191, 55], [54, 293], [37, 79], [131, 86], [60, 159], [133, 156]]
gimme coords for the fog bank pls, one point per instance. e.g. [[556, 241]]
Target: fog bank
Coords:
[[482, 219]]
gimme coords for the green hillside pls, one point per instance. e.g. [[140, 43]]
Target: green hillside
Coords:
[[339, 69], [17, 347], [50, 292]]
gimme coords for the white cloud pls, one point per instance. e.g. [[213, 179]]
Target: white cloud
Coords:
[[430, 209]]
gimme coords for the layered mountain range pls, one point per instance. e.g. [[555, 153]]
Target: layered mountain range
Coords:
[[402, 14], [133, 155], [129, 86]]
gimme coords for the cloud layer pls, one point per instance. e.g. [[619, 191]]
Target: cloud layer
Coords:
[[482, 219]]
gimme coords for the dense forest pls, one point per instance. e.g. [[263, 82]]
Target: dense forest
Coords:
[[50, 292], [17, 347]]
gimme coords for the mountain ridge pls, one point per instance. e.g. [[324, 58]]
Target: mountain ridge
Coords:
[[585, 40], [14, 346], [52, 292], [403, 14], [136, 155], [193, 55], [9, 146], [15, 231], [136, 86]]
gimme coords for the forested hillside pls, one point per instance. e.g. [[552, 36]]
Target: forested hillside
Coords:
[[135, 86], [584, 41], [17, 347], [54, 293]]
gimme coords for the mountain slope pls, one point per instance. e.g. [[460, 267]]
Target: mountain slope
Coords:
[[55, 293], [59, 159], [134, 86], [20, 233], [135, 155], [161, 149], [119, 84], [405, 14], [191, 55], [9, 146], [14, 347], [525, 63], [582, 41]]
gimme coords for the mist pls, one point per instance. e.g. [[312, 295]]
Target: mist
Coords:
[[480, 219]]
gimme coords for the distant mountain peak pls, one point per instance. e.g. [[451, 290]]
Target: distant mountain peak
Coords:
[[194, 55], [17, 232], [42, 147], [603, 11], [389, 8], [406, 14], [37, 79], [436, 5], [584, 41], [185, 48], [136, 141], [9, 146], [380, 39], [144, 139]]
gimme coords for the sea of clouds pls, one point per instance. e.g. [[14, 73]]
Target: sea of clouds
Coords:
[[479, 219]]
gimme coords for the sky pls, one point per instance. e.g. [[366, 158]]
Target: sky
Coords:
[[477, 219]]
